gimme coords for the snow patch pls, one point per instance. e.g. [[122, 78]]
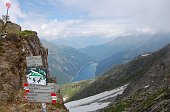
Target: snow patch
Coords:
[[92, 107], [95, 102]]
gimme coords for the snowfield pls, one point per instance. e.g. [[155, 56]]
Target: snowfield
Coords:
[[95, 102]]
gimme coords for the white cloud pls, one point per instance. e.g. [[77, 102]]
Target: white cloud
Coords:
[[55, 29], [153, 13], [105, 18]]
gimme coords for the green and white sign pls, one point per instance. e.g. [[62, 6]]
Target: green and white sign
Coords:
[[36, 76]]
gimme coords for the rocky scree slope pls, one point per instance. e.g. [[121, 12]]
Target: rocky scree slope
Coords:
[[13, 51]]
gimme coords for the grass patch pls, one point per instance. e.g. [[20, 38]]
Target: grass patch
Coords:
[[73, 88], [26, 33]]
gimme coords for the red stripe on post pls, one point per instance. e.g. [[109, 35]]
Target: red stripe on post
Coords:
[[25, 84], [54, 101], [53, 94], [27, 90]]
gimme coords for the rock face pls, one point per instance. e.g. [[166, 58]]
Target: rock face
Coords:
[[13, 51]]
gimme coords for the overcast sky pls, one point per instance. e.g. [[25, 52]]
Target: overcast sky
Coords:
[[54, 19]]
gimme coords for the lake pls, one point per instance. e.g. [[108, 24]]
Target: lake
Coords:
[[86, 72]]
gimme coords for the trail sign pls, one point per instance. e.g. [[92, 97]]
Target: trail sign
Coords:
[[34, 61], [36, 76], [40, 100], [41, 97], [41, 89]]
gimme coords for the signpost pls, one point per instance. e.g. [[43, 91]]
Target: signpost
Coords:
[[37, 89], [34, 61], [41, 89]]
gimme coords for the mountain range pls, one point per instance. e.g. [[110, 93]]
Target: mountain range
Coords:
[[120, 44], [153, 43]]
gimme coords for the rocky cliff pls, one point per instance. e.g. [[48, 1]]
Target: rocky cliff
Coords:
[[13, 51]]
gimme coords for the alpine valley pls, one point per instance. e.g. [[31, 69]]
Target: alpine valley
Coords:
[[69, 64]]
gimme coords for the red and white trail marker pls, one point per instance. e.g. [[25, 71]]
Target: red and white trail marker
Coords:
[[26, 88], [54, 97]]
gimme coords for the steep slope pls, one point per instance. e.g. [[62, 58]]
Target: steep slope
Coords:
[[65, 62], [120, 44], [154, 43], [149, 91], [149, 71], [13, 51]]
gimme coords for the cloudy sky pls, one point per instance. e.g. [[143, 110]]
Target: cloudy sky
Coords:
[[56, 19]]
